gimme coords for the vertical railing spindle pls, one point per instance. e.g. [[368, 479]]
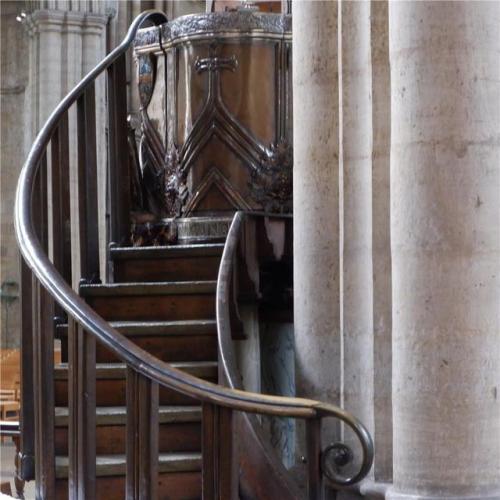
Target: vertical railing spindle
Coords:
[[82, 413], [87, 186], [82, 347], [217, 449], [26, 464], [61, 222], [142, 437], [313, 444], [118, 174], [43, 353]]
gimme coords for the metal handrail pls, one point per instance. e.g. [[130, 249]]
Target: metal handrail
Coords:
[[135, 357], [228, 356]]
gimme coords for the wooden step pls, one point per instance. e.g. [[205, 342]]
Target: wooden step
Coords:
[[115, 465], [170, 341], [111, 383], [169, 301], [117, 415], [179, 477], [176, 262], [179, 429]]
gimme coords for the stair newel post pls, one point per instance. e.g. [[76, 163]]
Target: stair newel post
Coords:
[[82, 413], [218, 480], [118, 170], [43, 352], [313, 446], [142, 437], [87, 186]]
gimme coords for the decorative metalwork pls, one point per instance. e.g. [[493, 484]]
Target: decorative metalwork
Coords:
[[216, 64], [272, 182], [215, 119], [217, 179], [335, 457], [176, 191], [245, 22], [153, 234], [268, 174]]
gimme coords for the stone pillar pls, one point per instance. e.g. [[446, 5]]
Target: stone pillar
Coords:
[[64, 46], [381, 240], [356, 216], [316, 203], [445, 225], [13, 78]]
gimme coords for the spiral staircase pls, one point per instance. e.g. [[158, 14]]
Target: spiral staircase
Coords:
[[147, 401]]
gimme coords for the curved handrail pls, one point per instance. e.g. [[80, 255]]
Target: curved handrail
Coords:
[[228, 357], [136, 358]]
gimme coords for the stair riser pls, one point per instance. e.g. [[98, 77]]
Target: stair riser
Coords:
[[111, 439], [112, 393], [171, 486], [168, 349], [175, 269], [155, 307]]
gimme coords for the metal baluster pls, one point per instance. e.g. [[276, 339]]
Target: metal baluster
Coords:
[[217, 448], [118, 174], [43, 354], [26, 465], [142, 437], [82, 413], [61, 223], [87, 186], [313, 443]]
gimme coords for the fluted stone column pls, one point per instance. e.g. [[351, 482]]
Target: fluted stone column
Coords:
[[356, 226], [64, 45], [316, 204], [381, 240], [445, 225]]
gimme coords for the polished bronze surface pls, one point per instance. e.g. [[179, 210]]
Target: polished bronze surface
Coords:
[[216, 124]]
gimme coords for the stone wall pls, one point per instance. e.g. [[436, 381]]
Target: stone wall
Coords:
[[13, 78]]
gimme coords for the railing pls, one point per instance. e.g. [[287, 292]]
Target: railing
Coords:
[[319, 462], [47, 294]]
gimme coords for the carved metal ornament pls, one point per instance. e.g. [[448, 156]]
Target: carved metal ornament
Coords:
[[272, 182], [243, 22], [152, 235], [176, 191], [165, 173]]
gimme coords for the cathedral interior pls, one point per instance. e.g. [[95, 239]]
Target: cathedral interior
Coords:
[[250, 249]]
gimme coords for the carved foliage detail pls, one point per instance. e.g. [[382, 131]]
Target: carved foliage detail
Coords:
[[272, 181], [176, 191]]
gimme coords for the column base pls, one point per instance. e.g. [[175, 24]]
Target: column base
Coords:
[[392, 494]]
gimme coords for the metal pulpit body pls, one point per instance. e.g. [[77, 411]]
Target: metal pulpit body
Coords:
[[216, 114]]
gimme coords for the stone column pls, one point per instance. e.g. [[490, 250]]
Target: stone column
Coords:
[[316, 203], [381, 240], [64, 46], [356, 216], [445, 225]]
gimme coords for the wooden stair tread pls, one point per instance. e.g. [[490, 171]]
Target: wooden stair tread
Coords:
[[115, 465], [158, 328], [166, 252], [149, 288], [200, 369], [117, 415]]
